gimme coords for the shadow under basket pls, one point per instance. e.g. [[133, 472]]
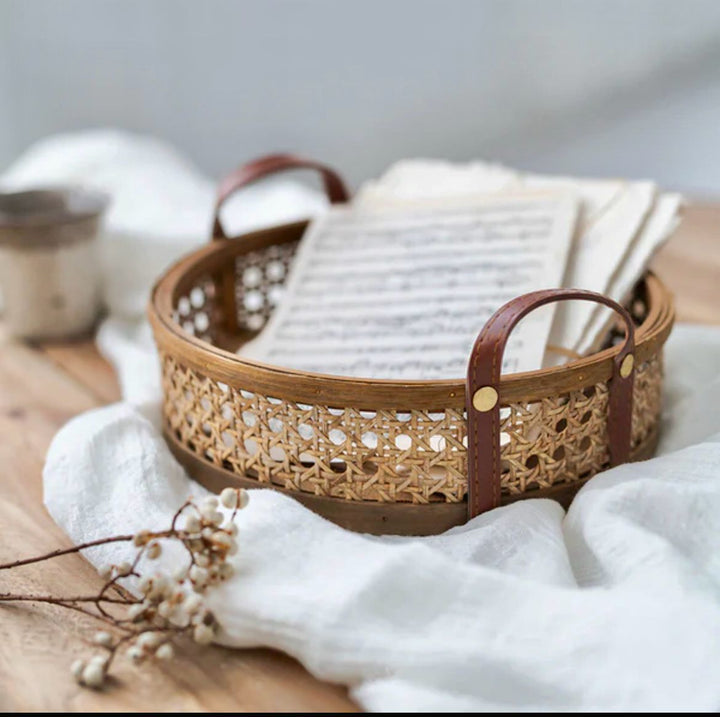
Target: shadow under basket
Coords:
[[385, 456]]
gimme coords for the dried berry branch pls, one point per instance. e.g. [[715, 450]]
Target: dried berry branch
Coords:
[[167, 607]]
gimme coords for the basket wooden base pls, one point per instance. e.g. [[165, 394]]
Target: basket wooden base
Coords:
[[374, 517]]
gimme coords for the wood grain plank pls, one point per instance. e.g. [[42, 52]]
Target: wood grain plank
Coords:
[[81, 360], [38, 643], [689, 264]]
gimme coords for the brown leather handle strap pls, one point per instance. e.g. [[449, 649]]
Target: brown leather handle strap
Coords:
[[483, 392], [264, 167]]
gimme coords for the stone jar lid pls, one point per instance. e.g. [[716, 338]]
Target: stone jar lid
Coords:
[[51, 216]]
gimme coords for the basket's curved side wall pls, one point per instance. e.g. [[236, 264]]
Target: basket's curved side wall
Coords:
[[354, 441], [416, 456]]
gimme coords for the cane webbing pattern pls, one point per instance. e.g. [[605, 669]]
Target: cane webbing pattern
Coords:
[[198, 312], [259, 280], [415, 456], [410, 456]]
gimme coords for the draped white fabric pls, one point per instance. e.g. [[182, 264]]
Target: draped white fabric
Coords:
[[615, 604]]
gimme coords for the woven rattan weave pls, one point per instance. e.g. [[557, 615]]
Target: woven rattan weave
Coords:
[[382, 456]]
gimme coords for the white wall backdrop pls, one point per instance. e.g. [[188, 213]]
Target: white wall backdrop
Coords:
[[596, 87]]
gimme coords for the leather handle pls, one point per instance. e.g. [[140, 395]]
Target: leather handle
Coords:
[[271, 164], [483, 392]]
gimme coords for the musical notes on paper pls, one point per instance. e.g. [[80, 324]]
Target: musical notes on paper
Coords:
[[403, 293], [621, 224]]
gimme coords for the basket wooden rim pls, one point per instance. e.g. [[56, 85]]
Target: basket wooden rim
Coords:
[[371, 394]]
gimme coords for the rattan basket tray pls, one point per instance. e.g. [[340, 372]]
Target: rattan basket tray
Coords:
[[389, 456]]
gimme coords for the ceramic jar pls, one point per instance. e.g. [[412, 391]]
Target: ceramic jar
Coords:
[[49, 265]]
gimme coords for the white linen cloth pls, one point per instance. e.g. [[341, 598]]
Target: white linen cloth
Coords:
[[615, 604]]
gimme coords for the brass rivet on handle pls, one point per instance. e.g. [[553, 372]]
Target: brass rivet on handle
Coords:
[[626, 366], [485, 398]]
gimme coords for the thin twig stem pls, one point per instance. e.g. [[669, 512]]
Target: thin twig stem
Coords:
[[11, 597], [65, 551], [93, 543]]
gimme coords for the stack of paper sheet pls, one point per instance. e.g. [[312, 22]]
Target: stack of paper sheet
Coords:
[[399, 284]]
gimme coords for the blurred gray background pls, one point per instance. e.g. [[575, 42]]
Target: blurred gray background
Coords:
[[600, 87]]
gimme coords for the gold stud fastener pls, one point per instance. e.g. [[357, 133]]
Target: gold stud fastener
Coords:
[[485, 398], [627, 365]]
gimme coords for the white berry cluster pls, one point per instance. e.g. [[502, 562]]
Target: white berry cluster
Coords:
[[171, 606]]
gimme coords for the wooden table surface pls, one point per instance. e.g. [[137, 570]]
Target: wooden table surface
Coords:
[[43, 386]]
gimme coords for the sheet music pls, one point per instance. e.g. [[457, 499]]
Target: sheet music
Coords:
[[403, 293], [659, 225], [620, 225], [605, 237]]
